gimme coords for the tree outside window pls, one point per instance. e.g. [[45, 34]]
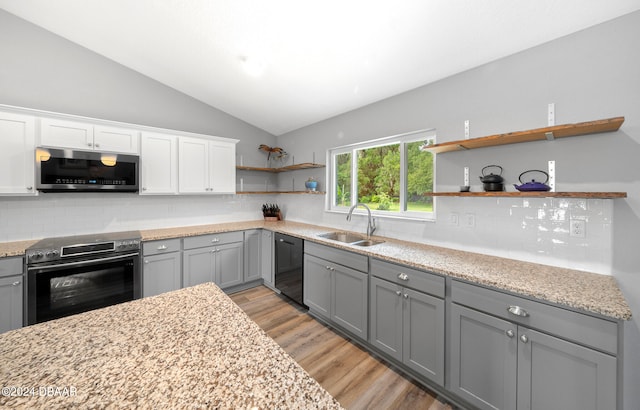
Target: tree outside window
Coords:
[[392, 175]]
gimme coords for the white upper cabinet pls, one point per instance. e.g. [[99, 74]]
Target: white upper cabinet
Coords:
[[222, 157], [114, 139], [84, 136], [159, 164], [17, 154], [206, 166]]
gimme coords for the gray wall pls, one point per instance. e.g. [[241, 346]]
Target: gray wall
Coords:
[[40, 70], [590, 75], [43, 71]]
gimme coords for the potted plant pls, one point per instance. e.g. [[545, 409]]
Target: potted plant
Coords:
[[271, 212]]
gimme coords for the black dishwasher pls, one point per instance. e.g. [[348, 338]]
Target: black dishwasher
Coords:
[[289, 252]]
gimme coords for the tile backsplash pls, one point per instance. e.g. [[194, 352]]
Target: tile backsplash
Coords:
[[529, 229], [534, 229]]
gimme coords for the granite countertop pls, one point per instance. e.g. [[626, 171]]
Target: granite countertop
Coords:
[[191, 348], [592, 292], [580, 290]]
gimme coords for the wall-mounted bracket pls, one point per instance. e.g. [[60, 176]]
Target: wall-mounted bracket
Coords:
[[549, 136], [552, 175]]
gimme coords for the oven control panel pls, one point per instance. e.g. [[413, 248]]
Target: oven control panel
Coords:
[[99, 248]]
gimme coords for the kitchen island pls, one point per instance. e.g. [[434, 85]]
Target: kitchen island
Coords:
[[192, 348]]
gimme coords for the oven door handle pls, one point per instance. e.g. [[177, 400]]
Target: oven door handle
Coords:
[[87, 262]]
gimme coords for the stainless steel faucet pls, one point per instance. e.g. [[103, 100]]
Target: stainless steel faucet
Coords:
[[371, 224]]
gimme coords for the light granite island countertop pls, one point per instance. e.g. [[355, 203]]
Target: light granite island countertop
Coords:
[[191, 348]]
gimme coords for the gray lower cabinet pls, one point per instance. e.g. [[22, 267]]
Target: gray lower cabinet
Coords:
[[252, 255], [266, 256], [501, 363], [337, 291], [406, 324], [11, 291], [217, 258], [317, 286], [161, 267]]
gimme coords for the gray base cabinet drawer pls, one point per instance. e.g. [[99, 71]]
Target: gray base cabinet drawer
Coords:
[[11, 266], [214, 239], [409, 277], [161, 246], [344, 258], [581, 328]]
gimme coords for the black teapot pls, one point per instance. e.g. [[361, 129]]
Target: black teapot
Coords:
[[492, 182]]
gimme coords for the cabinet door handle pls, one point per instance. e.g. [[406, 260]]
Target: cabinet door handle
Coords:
[[97, 145], [398, 293], [403, 276], [89, 144], [510, 333], [215, 240], [146, 261], [16, 283], [162, 247], [406, 296], [29, 188], [518, 311], [524, 338]]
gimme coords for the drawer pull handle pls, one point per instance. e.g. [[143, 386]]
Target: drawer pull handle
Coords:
[[403, 276], [162, 247], [524, 338], [518, 311], [215, 240], [510, 333]]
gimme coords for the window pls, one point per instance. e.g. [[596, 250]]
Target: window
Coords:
[[389, 175]]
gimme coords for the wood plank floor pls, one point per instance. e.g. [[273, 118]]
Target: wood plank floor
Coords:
[[349, 373]]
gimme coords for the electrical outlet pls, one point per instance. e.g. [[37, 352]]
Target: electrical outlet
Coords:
[[577, 228], [453, 218], [470, 220]]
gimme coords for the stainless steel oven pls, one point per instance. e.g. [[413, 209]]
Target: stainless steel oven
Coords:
[[76, 274]]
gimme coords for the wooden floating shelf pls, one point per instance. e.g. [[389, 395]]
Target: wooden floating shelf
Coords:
[[547, 133], [306, 165], [280, 192], [535, 194]]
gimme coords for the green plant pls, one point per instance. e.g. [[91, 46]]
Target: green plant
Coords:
[[384, 202]]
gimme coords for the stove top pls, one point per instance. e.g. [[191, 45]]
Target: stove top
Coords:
[[51, 249]]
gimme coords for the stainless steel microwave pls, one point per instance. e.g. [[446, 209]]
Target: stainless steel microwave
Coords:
[[66, 170]]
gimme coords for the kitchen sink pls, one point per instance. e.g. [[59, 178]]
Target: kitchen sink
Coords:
[[345, 237], [350, 238], [367, 242]]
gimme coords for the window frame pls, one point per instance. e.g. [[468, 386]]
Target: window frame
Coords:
[[428, 134]]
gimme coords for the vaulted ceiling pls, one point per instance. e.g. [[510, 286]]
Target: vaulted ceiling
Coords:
[[284, 64]]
